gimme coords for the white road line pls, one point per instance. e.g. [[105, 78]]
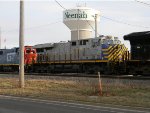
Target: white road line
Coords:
[[68, 104], [57, 103]]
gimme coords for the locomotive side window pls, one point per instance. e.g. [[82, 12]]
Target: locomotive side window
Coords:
[[80, 42], [39, 50], [84, 42], [1, 52], [73, 43]]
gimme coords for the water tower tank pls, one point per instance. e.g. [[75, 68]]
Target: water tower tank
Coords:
[[81, 21]]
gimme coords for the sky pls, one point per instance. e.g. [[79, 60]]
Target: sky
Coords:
[[44, 20]]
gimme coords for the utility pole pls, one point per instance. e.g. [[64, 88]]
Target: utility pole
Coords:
[[0, 38], [95, 25], [78, 26], [21, 45]]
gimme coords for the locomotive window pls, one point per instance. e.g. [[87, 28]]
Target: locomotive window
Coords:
[[80, 42], [17, 50], [84, 42], [1, 52], [27, 51], [40, 50], [33, 51], [73, 43]]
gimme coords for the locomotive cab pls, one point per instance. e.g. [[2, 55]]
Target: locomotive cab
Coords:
[[30, 55], [140, 53]]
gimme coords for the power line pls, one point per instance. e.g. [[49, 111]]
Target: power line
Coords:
[[118, 21], [34, 27], [108, 18], [80, 11], [122, 22], [59, 4], [39, 26], [143, 3]]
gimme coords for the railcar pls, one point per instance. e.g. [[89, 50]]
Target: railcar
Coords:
[[9, 58]]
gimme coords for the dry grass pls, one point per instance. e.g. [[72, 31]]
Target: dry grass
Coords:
[[120, 93]]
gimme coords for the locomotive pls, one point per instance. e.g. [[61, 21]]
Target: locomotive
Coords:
[[9, 58], [85, 56], [139, 64]]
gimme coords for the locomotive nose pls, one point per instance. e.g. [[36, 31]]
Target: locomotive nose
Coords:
[[30, 55]]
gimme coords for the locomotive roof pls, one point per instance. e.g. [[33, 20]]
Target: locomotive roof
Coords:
[[137, 35], [46, 45]]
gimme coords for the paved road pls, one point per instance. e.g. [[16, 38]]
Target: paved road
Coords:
[[25, 105]]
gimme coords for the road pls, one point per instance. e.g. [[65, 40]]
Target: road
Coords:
[[10, 104]]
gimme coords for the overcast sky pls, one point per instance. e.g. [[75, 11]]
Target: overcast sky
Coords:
[[44, 22]]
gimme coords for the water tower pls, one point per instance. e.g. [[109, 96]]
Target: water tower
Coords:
[[81, 21]]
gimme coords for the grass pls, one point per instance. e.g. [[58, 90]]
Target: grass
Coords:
[[115, 92]]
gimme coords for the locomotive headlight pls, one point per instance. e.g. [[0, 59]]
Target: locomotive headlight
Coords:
[[138, 47]]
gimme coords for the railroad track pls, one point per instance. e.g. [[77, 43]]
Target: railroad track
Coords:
[[81, 75]]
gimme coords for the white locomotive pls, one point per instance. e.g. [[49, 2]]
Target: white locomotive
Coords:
[[72, 54]]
